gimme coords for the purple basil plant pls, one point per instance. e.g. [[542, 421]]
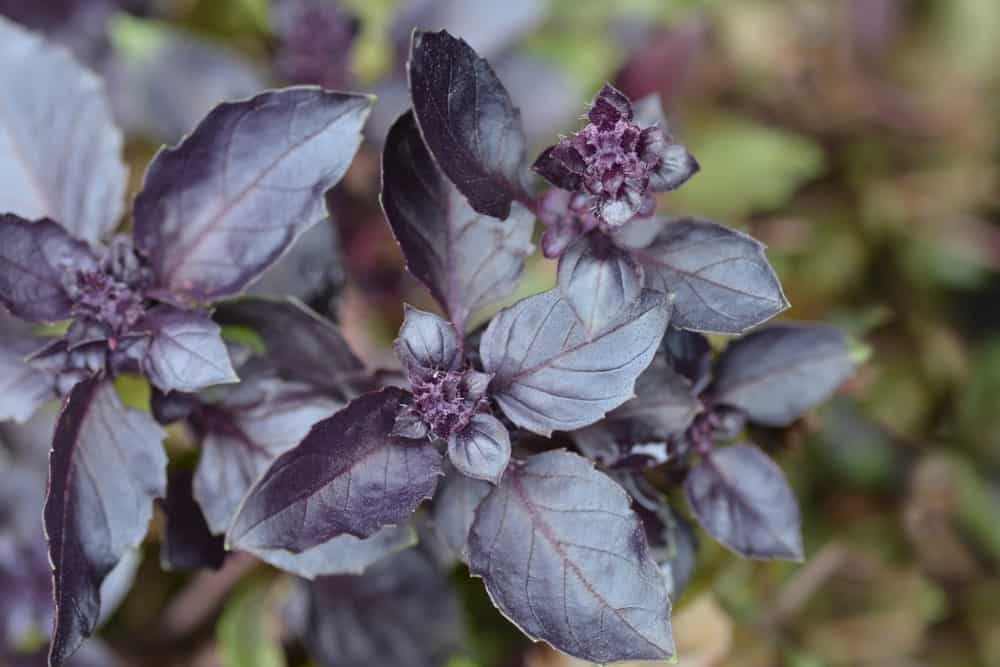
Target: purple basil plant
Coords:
[[213, 213], [319, 465]]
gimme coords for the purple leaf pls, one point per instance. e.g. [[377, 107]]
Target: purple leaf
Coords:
[[401, 612], [23, 389], [106, 467], [60, 156], [741, 498], [186, 352], [223, 205], [163, 89], [664, 404], [455, 509], [344, 554], [188, 544], [260, 419], [35, 260], [720, 278], [550, 375], [302, 345], [467, 260], [564, 557], [779, 372], [599, 280], [427, 342], [690, 354], [676, 164], [468, 121], [482, 449], [348, 476]]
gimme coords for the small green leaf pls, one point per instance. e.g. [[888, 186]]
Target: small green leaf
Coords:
[[245, 631], [244, 336], [745, 167], [134, 391]]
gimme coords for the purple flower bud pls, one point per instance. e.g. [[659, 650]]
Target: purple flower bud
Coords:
[[109, 298], [444, 402], [617, 163]]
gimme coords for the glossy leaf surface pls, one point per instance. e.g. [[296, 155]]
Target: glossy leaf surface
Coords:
[[551, 375], [219, 208], [347, 477], [467, 120], [186, 351], [466, 259], [741, 498], [599, 280], [545, 543], [426, 341], [779, 372], [482, 450], [720, 278], [106, 467], [260, 419]]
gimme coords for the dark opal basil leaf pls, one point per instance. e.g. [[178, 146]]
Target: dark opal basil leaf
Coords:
[[35, 258], [218, 209], [347, 477], [188, 544], [482, 450], [163, 83], [186, 351], [468, 121], [664, 404], [260, 419], [300, 343], [427, 341], [23, 389], [455, 508], [564, 557], [720, 278], [779, 372], [344, 554], [60, 156], [403, 611], [106, 467], [599, 280], [466, 259], [549, 374], [741, 498], [690, 354], [672, 542]]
